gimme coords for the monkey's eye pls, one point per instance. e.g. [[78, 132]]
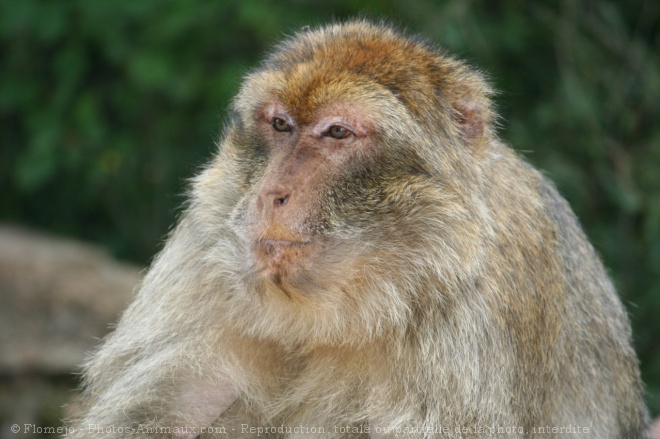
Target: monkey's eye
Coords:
[[281, 125], [338, 132]]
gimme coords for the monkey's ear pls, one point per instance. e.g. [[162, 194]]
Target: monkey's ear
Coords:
[[470, 119]]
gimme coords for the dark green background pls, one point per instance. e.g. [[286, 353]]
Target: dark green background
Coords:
[[107, 107]]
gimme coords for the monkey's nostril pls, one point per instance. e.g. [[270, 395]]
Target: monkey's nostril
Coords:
[[281, 201]]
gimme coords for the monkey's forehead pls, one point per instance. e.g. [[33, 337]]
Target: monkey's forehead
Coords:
[[352, 61]]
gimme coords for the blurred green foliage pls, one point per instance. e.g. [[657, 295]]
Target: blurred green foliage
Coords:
[[106, 107]]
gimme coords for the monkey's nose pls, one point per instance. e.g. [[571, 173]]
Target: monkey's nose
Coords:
[[280, 201], [276, 199], [270, 201]]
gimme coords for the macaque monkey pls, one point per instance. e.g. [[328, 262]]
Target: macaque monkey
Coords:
[[365, 258]]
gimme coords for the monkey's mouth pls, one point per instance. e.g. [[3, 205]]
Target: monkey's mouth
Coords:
[[278, 259]]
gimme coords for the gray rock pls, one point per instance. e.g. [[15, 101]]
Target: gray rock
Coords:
[[57, 299]]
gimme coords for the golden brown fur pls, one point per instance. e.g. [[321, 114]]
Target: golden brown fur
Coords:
[[416, 274]]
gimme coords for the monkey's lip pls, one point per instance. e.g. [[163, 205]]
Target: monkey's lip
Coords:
[[280, 243], [279, 259], [281, 252]]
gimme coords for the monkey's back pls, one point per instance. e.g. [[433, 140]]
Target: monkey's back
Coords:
[[571, 334]]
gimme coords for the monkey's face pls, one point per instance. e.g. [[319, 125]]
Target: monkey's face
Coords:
[[291, 211]]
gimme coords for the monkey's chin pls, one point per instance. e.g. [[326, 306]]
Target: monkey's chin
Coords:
[[282, 261]]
